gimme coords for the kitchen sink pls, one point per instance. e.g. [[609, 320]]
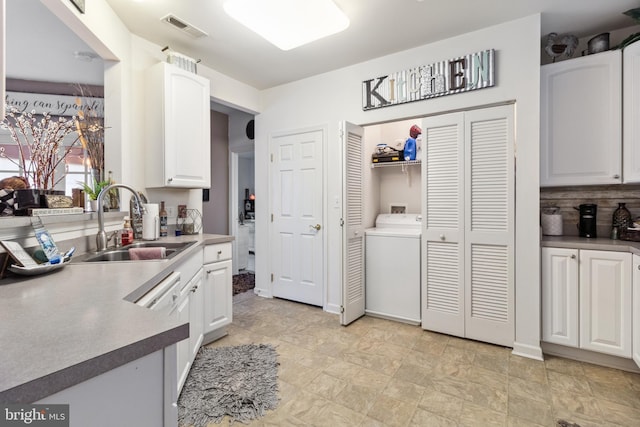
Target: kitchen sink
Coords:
[[122, 254]]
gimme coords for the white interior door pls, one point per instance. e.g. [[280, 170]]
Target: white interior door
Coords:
[[298, 226], [489, 225], [443, 224], [353, 286]]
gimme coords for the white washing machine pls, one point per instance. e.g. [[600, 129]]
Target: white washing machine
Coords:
[[392, 267]]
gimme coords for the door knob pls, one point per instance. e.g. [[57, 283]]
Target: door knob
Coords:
[[317, 227]]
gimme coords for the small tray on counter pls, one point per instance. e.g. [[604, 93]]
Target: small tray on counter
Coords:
[[630, 234], [37, 269]]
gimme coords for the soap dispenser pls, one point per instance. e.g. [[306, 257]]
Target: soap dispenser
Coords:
[[127, 232]]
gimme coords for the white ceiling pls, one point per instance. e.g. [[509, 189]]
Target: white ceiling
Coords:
[[378, 27], [37, 42]]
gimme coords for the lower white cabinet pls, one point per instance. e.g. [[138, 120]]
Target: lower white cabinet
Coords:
[[218, 290], [560, 296], [586, 298], [190, 309], [636, 309]]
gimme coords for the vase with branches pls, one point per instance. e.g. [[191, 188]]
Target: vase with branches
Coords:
[[41, 147]]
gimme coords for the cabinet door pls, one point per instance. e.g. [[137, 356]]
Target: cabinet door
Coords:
[[218, 295], [636, 309], [196, 314], [631, 112], [560, 296], [184, 346], [177, 128], [581, 121], [605, 302]]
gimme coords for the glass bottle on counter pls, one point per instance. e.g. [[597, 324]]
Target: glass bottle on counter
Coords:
[[163, 220], [621, 217]]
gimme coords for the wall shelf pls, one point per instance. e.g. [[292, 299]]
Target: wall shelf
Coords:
[[390, 164]]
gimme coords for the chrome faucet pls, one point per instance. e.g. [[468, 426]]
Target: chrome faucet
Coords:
[[101, 237]]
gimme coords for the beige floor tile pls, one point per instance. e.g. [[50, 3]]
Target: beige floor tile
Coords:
[[441, 404], [519, 422], [417, 374], [423, 418], [603, 374], [335, 415], [530, 410], [327, 386], [568, 384], [477, 416], [565, 366], [529, 389], [380, 373], [496, 362], [404, 390], [576, 404], [488, 397], [619, 414], [392, 412], [527, 369]]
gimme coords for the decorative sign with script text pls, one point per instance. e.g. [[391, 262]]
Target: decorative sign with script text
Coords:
[[56, 105], [462, 74]]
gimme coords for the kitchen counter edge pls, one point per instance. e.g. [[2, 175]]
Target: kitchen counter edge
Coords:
[[597, 244], [33, 389]]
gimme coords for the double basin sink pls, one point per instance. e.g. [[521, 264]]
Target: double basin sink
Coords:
[[122, 254]]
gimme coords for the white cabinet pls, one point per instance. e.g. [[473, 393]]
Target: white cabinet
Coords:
[[581, 121], [636, 309], [560, 296], [218, 290], [605, 302], [586, 299], [190, 309], [177, 115], [468, 225], [631, 112]]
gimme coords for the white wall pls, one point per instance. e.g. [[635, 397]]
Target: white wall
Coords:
[[328, 98], [127, 57]]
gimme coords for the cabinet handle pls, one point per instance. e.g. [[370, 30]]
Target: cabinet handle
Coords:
[[616, 176], [442, 237], [170, 179], [573, 257], [209, 271], [194, 288], [220, 252], [638, 267]]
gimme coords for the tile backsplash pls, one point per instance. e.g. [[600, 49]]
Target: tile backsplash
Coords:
[[606, 197]]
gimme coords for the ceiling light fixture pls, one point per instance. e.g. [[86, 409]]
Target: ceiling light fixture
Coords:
[[288, 23]]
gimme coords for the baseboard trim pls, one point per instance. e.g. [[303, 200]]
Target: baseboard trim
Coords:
[[528, 351], [590, 357]]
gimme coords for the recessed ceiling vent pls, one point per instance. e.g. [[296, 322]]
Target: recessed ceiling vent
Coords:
[[184, 26]]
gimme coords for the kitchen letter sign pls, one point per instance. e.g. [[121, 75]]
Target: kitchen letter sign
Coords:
[[462, 74]]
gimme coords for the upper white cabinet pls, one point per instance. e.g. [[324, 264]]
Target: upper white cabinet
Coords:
[[631, 112], [581, 121], [177, 115]]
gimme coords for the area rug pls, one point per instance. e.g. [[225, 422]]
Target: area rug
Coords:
[[239, 381], [243, 282]]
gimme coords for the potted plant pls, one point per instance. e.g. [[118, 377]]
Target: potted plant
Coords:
[[92, 191]]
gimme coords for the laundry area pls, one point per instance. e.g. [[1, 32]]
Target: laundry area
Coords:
[[393, 204]]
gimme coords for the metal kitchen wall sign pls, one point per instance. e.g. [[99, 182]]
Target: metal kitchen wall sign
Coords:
[[462, 74]]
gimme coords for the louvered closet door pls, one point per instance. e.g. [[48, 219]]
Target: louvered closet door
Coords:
[[443, 224], [353, 297], [489, 225]]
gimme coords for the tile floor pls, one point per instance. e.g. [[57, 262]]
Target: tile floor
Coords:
[[381, 373]]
